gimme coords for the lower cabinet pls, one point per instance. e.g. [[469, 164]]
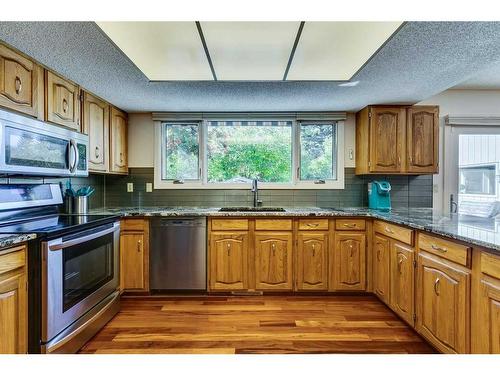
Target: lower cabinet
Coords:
[[273, 261], [312, 260], [13, 301], [381, 267], [228, 261], [349, 261], [134, 255], [402, 280], [443, 303]]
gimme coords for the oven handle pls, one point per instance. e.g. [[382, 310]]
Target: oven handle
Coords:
[[80, 240]]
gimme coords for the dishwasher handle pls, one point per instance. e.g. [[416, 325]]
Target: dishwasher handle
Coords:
[[180, 222]]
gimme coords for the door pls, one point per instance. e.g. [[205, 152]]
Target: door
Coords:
[[13, 314], [349, 263], [443, 295], [381, 274], [21, 83], [62, 101], [228, 261], [96, 125], [387, 132], [132, 261], [312, 265], [273, 260], [118, 141], [422, 139], [488, 322], [402, 281]]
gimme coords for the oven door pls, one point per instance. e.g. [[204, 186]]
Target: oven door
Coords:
[[78, 272]]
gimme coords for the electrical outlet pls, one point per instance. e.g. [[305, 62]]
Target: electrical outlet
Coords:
[[351, 154], [149, 187], [130, 187]]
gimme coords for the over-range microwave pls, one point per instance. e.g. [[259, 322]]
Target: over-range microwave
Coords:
[[32, 147]]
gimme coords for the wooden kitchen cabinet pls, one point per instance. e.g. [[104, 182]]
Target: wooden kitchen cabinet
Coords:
[[273, 260], [118, 141], [312, 260], [381, 267], [422, 139], [62, 101], [21, 83], [350, 261], [96, 125], [402, 282], [228, 259], [13, 301], [443, 303], [134, 255]]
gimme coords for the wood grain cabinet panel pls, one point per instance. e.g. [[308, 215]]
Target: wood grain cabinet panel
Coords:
[[62, 101], [443, 304], [312, 261], [381, 272], [488, 319], [422, 139], [118, 141], [350, 261], [229, 261], [21, 83], [273, 260], [132, 261], [96, 125], [402, 281]]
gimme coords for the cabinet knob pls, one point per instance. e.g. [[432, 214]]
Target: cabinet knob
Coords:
[[97, 154], [65, 105], [273, 248], [436, 286], [121, 157], [139, 246], [19, 85]]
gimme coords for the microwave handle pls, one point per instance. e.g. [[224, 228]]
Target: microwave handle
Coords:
[[72, 146], [79, 240]]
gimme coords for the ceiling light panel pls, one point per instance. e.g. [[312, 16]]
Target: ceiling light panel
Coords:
[[337, 50], [163, 51], [250, 51]]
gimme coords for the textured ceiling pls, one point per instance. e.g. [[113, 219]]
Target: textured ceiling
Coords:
[[487, 79], [421, 60]]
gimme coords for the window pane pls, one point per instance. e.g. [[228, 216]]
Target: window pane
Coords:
[[478, 180], [240, 152], [181, 152], [317, 146]]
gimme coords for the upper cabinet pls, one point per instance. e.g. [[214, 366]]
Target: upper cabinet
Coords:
[[96, 125], [397, 140], [62, 101], [21, 83], [118, 141]]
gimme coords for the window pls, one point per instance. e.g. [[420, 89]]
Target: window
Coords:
[[281, 154], [478, 180]]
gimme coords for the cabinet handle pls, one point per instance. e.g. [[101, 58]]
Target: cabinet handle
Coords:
[[400, 263], [378, 255], [228, 249], [438, 248], [65, 105], [139, 246], [389, 230], [96, 153], [121, 157], [436, 285], [399, 160], [273, 248], [351, 252], [350, 225], [19, 85], [314, 250]]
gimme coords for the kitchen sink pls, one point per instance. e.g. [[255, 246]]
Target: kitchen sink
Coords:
[[252, 209]]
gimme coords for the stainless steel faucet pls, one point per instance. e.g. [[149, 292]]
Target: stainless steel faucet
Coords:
[[453, 205], [255, 191]]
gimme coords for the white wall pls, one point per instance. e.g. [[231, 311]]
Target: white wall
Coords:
[[459, 103]]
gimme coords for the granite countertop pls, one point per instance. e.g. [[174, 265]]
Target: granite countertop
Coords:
[[7, 240], [478, 231]]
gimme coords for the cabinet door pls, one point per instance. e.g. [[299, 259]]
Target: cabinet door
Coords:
[[387, 128], [488, 323], [13, 314], [228, 261], [118, 141], [96, 125], [132, 270], [422, 139], [349, 263], [402, 281], [443, 303], [273, 261], [62, 101], [381, 274], [21, 83], [312, 265]]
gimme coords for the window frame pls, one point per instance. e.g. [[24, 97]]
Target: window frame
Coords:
[[295, 183]]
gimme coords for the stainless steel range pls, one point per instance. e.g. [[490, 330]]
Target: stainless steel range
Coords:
[[73, 267]]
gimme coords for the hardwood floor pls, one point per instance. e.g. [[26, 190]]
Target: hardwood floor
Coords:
[[256, 324]]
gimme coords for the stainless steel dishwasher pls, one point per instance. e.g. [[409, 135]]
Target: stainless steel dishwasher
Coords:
[[178, 259]]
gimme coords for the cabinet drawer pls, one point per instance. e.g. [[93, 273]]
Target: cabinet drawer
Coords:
[[12, 260], [446, 249], [273, 224], [313, 224], [402, 234], [490, 265], [229, 224], [133, 224], [350, 224]]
